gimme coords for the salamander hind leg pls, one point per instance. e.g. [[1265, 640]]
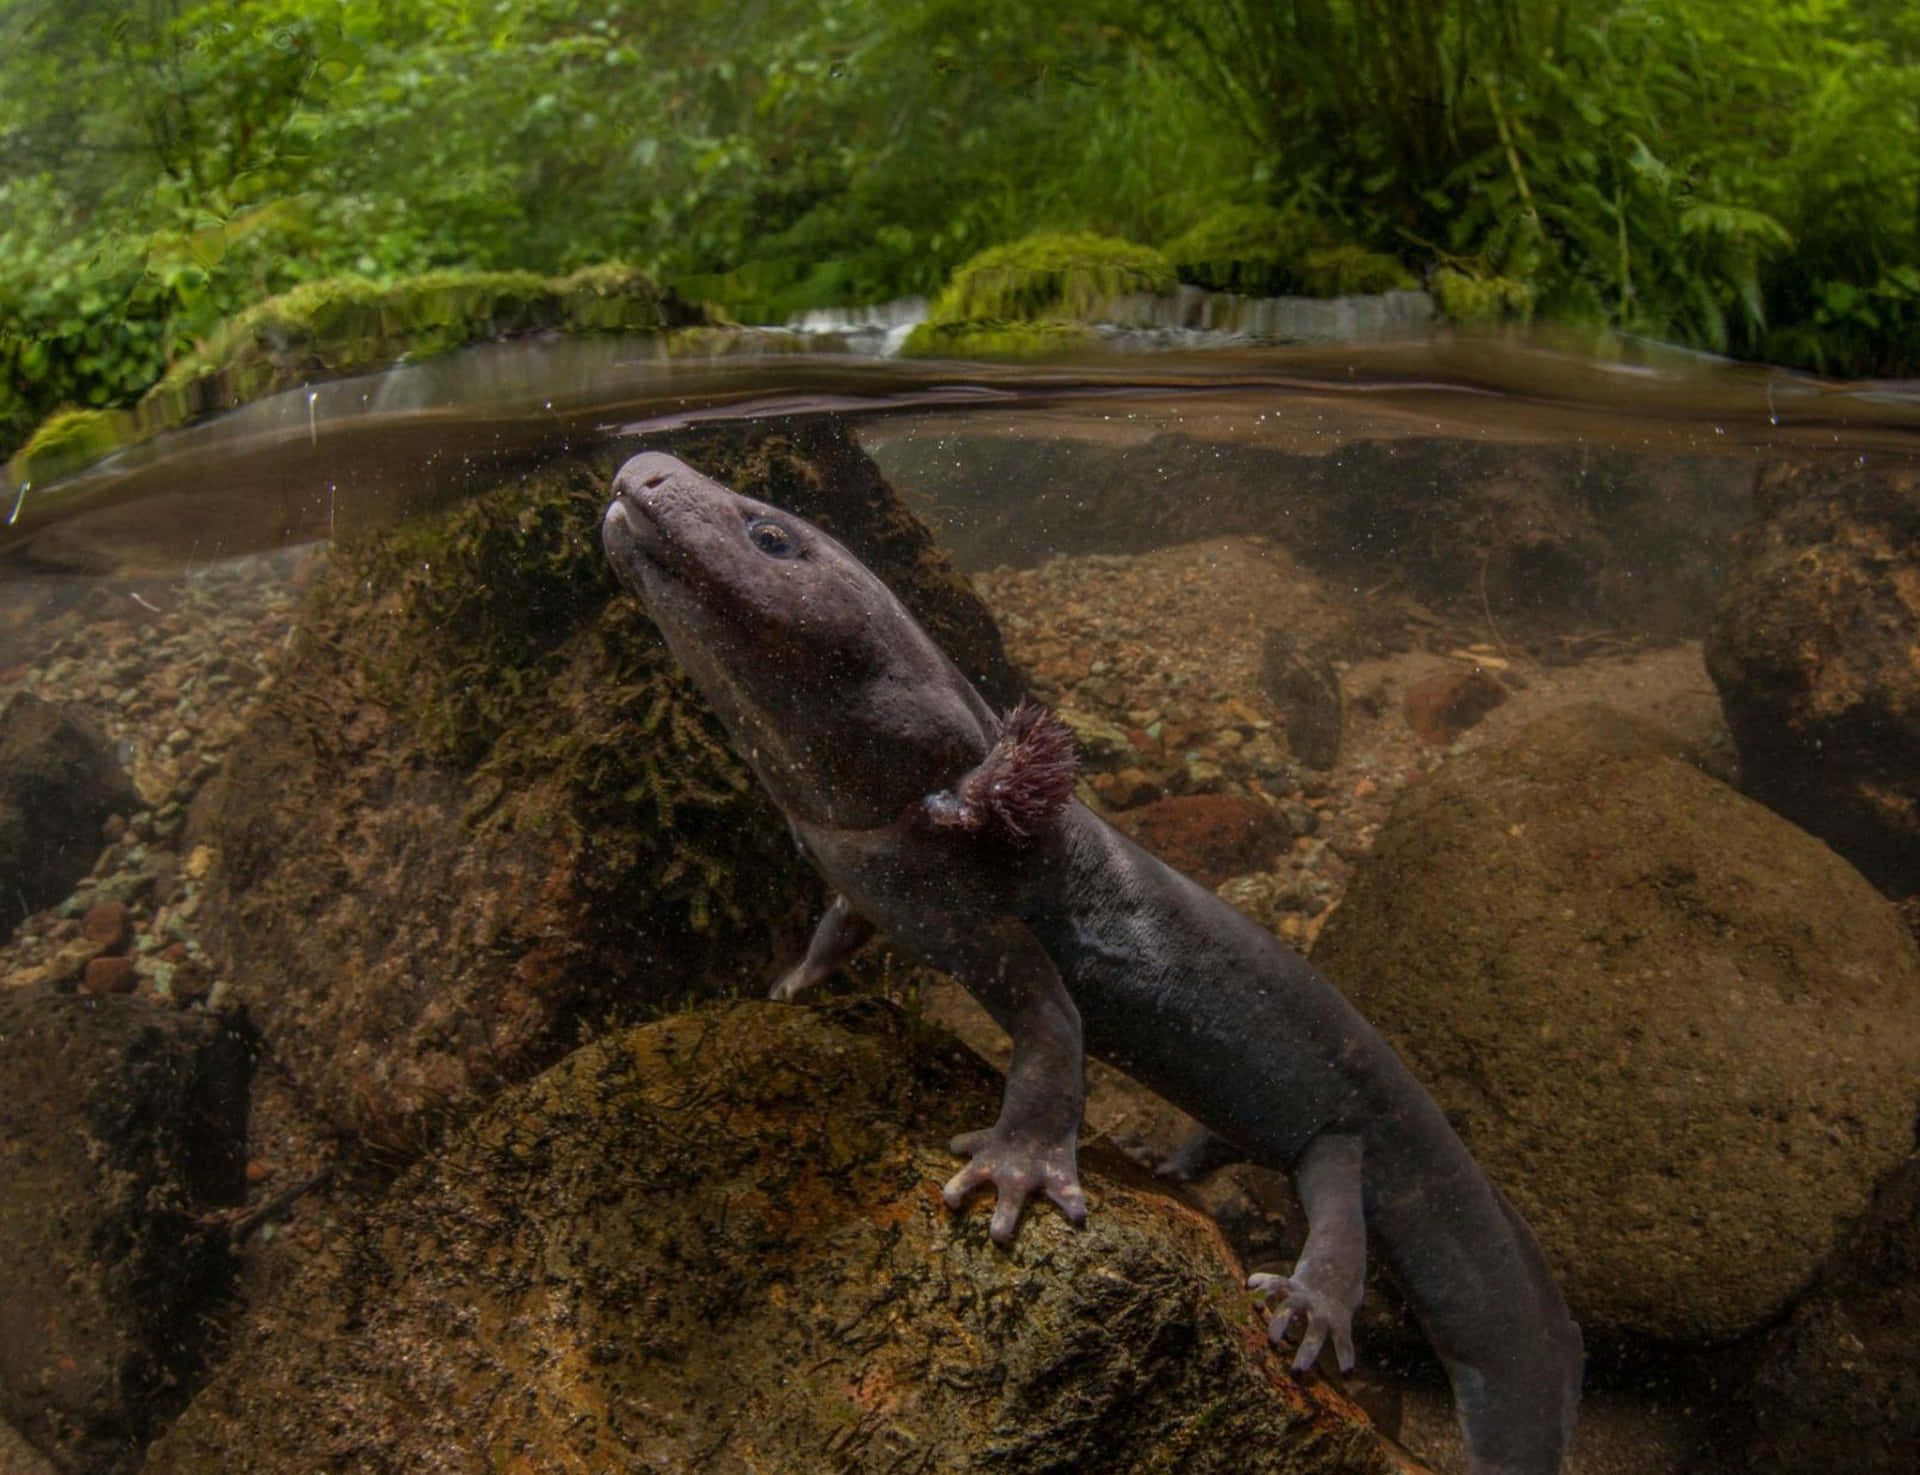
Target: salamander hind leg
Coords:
[[842, 933], [1328, 1280]]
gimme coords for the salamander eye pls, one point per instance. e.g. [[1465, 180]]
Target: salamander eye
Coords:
[[770, 537]]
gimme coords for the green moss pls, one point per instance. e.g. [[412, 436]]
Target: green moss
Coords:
[[1246, 248], [998, 340], [1346, 271], [67, 440], [1477, 300], [1255, 249], [1035, 296], [1050, 276]]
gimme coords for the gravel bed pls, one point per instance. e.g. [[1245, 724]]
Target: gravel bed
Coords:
[[168, 669]]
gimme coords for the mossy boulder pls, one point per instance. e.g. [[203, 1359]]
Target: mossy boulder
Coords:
[[1477, 300], [1253, 249], [349, 325], [481, 808], [1678, 1031], [717, 1243], [352, 325], [1036, 295], [1260, 251], [1352, 271]]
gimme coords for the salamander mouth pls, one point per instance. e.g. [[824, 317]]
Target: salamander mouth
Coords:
[[631, 526]]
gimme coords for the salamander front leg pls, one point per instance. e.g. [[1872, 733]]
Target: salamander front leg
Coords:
[[1330, 1276], [1032, 1147], [842, 933]]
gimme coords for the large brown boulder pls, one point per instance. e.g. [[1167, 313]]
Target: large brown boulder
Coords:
[[481, 808], [1683, 1035], [717, 1243], [122, 1130], [1815, 647]]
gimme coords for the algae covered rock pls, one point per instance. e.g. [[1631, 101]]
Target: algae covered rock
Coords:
[[717, 1243], [1352, 270], [1036, 295], [481, 809], [1266, 252], [1683, 1035]]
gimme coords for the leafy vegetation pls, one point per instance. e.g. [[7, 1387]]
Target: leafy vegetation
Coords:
[[1741, 175]]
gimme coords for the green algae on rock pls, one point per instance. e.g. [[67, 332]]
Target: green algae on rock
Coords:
[[1351, 270], [716, 1242]]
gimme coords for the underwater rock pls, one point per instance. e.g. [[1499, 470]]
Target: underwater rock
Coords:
[[481, 808], [1679, 1032], [1812, 648], [59, 781], [1838, 1387], [1210, 837], [1306, 688], [716, 1242], [122, 1125], [1445, 705], [1560, 535]]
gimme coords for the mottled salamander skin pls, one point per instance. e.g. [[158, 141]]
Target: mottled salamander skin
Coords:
[[954, 831]]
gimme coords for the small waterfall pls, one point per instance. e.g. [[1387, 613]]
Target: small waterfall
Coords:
[[1187, 317], [1195, 317], [875, 332]]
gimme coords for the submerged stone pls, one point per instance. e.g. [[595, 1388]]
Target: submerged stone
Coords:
[[717, 1243], [1678, 1031]]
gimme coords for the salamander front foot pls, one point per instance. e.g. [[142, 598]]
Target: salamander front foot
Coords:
[[1325, 1316], [1016, 1167]]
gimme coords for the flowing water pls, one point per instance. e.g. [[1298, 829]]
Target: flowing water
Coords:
[[1448, 539]]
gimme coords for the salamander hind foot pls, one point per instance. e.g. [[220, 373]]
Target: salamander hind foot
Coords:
[[1017, 1167]]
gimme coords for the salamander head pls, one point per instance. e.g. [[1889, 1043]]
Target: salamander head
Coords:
[[841, 702]]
